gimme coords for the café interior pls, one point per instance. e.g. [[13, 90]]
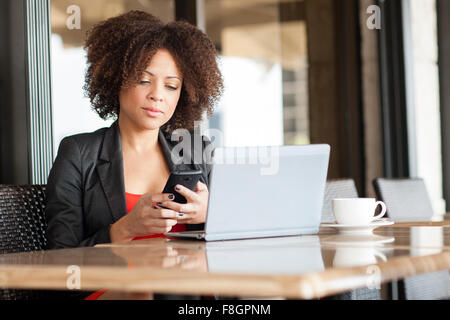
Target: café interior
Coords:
[[369, 78]]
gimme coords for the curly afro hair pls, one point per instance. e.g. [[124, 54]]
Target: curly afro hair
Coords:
[[120, 48]]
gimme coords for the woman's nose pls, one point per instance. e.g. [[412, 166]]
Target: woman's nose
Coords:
[[156, 97], [156, 94]]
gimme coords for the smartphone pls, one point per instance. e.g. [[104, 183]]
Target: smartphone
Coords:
[[189, 179]]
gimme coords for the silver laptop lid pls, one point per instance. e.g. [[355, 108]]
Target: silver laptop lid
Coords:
[[266, 191]]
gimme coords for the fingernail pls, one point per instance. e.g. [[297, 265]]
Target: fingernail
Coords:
[[177, 188], [159, 203], [155, 207], [180, 214], [171, 196]]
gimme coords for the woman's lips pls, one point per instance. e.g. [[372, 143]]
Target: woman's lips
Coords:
[[154, 113]]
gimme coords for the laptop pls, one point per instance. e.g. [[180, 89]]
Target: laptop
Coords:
[[256, 193]]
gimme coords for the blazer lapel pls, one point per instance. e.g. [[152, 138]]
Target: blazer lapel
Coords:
[[110, 171], [110, 167]]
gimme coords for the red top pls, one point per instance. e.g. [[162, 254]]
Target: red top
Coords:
[[132, 199]]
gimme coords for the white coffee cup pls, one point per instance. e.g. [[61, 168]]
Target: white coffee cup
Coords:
[[357, 211]]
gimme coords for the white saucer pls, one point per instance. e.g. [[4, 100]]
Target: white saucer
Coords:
[[357, 239], [365, 229]]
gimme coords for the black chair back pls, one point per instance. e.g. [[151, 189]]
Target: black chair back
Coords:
[[22, 227]]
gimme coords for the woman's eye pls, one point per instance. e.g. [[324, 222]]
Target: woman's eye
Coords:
[[144, 82], [172, 88]]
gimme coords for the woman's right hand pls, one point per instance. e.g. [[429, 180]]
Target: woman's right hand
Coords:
[[145, 218]]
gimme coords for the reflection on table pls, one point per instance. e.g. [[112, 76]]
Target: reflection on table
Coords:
[[306, 267]]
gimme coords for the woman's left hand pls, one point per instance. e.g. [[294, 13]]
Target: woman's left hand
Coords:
[[194, 211]]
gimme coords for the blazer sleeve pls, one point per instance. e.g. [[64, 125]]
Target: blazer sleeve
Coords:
[[64, 201]]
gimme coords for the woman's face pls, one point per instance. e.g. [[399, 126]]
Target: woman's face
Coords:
[[152, 101]]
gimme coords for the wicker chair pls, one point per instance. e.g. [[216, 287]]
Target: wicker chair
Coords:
[[408, 200], [22, 227], [344, 188]]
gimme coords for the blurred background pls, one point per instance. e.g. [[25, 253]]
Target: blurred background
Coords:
[[371, 78]]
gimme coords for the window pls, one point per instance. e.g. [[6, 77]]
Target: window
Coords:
[[263, 57], [263, 49], [72, 111]]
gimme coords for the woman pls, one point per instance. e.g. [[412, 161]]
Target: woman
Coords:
[[106, 186]]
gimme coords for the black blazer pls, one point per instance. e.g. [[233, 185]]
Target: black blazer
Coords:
[[85, 188]]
